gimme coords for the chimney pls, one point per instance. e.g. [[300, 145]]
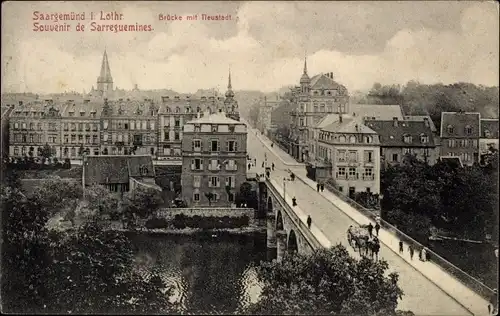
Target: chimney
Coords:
[[395, 121], [340, 118], [187, 97], [426, 121], [331, 75]]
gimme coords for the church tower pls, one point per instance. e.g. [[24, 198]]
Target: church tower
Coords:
[[230, 104], [304, 80], [105, 81]]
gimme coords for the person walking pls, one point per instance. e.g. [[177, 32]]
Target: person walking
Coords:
[[294, 201], [377, 228], [262, 164], [249, 166], [255, 162], [420, 254], [424, 254], [272, 166], [317, 187], [370, 229], [401, 247], [309, 221], [411, 250], [322, 186], [268, 173]]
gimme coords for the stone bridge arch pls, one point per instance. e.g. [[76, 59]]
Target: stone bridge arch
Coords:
[[292, 244], [279, 221]]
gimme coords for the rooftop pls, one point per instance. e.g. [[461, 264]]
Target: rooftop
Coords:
[[393, 133], [348, 125], [454, 124], [489, 128], [322, 81], [215, 118], [117, 168], [376, 111]]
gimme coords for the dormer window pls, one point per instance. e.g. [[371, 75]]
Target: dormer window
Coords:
[[231, 128], [468, 130], [82, 113], [368, 139], [424, 139], [450, 129], [177, 109], [71, 113], [214, 129], [143, 170], [407, 139], [487, 133], [342, 139], [352, 139], [197, 128], [198, 110], [168, 109]]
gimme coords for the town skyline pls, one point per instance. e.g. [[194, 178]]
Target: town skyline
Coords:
[[390, 43]]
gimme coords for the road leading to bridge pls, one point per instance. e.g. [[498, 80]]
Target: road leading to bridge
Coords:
[[421, 295]]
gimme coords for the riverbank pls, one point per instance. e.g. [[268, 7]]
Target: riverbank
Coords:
[[250, 230]]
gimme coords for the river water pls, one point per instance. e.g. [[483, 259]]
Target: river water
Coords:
[[209, 274]]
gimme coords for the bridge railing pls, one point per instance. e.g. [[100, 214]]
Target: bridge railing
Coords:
[[471, 282], [306, 232]]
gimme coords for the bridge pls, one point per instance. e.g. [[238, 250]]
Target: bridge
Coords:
[[428, 289]]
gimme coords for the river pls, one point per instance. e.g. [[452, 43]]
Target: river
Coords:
[[209, 274]]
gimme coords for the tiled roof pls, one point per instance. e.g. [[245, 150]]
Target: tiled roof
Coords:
[[116, 169], [80, 106], [459, 121], [322, 81], [216, 118], [377, 111], [489, 128], [35, 108], [129, 107], [327, 120], [170, 104], [393, 136], [349, 124], [422, 118]]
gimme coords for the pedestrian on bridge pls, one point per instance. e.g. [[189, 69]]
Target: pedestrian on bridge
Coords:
[[272, 166], [411, 250], [249, 166], [262, 164], [255, 162], [377, 228], [322, 187], [294, 201], [370, 229], [309, 221], [401, 247], [317, 187]]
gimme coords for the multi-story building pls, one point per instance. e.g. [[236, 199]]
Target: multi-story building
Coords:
[[33, 126], [129, 126], [173, 114], [350, 152], [488, 141], [316, 97], [4, 138], [80, 133], [401, 137], [460, 133], [214, 149], [230, 103]]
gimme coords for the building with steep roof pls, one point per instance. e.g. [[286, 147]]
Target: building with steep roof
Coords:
[[33, 125], [214, 156], [104, 80], [316, 97], [173, 113], [460, 133], [129, 127], [4, 137], [488, 140], [230, 103], [401, 137], [119, 173], [349, 152]]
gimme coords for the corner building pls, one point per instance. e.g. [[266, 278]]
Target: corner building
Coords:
[[214, 150]]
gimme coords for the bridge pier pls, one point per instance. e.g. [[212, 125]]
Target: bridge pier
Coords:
[[281, 245], [271, 236]]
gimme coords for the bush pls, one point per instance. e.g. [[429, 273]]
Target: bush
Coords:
[[210, 222], [157, 223]]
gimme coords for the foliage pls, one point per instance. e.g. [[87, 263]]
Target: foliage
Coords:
[[329, 281], [55, 194], [46, 151], [100, 199], [254, 114], [414, 192], [154, 222], [367, 199], [246, 196], [209, 222], [210, 196], [142, 201]]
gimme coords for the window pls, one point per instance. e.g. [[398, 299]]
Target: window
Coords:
[[341, 155], [196, 181], [16, 151], [450, 129], [368, 156], [196, 197], [216, 197], [132, 124], [87, 139], [104, 125], [151, 124], [196, 164], [196, 145], [232, 146], [352, 139], [16, 125], [231, 165], [341, 173], [407, 151], [104, 137], [213, 182], [230, 181], [424, 139], [214, 164], [177, 136], [301, 122], [66, 138], [353, 156], [368, 139], [394, 157], [197, 129], [73, 152], [214, 129], [80, 139], [214, 145], [467, 157], [407, 139], [368, 171], [341, 189], [426, 152], [94, 139], [474, 143], [352, 172], [87, 127], [451, 143], [468, 130], [177, 122]]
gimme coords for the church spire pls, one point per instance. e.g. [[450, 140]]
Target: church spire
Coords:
[[105, 75], [229, 87], [305, 65], [229, 92]]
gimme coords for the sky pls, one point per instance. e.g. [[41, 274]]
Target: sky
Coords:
[[264, 44]]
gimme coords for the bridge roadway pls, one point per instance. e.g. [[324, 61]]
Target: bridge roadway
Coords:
[[421, 296]]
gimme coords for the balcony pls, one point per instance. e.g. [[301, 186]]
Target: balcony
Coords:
[[352, 177]]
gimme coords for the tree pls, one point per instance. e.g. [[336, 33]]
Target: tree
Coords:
[[55, 194], [229, 193], [46, 151], [143, 201], [210, 196], [329, 281], [104, 202]]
